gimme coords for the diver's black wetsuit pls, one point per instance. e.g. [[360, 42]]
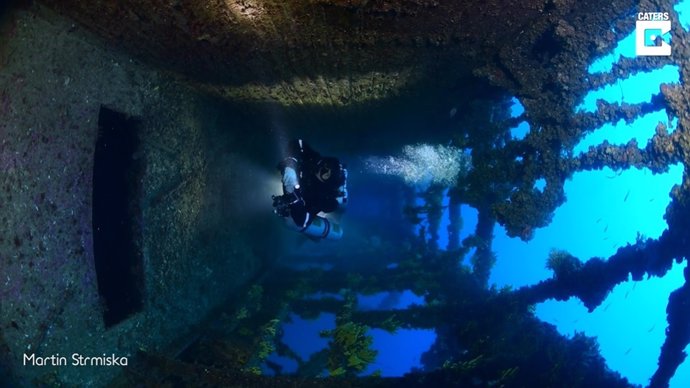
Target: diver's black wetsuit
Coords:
[[314, 192]]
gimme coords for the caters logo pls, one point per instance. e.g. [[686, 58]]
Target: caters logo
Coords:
[[653, 34]]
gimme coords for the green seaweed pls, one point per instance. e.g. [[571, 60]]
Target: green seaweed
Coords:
[[350, 349]]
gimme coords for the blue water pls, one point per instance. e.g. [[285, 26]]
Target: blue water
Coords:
[[621, 133], [605, 210], [522, 129], [634, 90]]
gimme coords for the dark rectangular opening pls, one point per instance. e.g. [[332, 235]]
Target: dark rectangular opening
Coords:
[[117, 173]]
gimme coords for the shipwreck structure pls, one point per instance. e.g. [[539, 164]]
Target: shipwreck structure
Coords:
[[167, 106]]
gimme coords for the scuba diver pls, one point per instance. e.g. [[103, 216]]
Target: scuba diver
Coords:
[[312, 184]]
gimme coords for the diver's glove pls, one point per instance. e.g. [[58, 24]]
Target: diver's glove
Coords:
[[282, 204]]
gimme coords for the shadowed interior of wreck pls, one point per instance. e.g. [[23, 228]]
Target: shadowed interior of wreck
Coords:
[[213, 88], [117, 216]]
